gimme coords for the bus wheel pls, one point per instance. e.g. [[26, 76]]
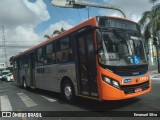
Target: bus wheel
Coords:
[[24, 85], [68, 91]]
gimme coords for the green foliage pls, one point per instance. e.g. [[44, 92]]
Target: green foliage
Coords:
[[11, 60], [153, 1], [150, 20], [47, 36], [56, 32]]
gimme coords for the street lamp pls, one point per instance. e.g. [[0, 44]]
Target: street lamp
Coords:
[[83, 4]]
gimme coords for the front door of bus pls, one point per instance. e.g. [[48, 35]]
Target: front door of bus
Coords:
[[87, 64]]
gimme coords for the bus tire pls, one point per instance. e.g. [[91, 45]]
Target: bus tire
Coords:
[[24, 84], [68, 92]]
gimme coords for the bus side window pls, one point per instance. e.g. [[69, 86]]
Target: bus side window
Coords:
[[50, 54], [25, 61], [39, 57], [58, 48], [47, 56], [53, 55], [65, 53], [20, 63]]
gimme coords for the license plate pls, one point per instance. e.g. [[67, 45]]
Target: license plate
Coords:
[[138, 90]]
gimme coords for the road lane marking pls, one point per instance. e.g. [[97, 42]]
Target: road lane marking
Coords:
[[49, 99], [5, 103], [26, 100]]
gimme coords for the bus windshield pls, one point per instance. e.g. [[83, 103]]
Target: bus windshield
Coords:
[[121, 49]]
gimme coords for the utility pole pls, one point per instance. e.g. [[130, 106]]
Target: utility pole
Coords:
[[84, 4], [88, 12], [4, 52]]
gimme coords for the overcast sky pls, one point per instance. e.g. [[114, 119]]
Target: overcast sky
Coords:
[[27, 21]]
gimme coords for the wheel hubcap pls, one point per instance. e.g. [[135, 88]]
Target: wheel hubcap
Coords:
[[68, 92]]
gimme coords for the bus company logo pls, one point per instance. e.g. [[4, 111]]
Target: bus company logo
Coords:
[[6, 114], [135, 73]]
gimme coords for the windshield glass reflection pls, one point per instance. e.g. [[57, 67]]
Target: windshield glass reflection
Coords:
[[121, 49]]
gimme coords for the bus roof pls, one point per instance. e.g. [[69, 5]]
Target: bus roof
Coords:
[[89, 22]]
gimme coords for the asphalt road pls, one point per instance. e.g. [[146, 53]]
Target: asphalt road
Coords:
[[14, 98]]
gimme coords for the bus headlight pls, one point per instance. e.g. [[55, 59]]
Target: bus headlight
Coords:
[[115, 84], [107, 80], [110, 81]]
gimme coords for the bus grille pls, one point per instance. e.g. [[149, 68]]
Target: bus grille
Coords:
[[128, 89], [131, 70]]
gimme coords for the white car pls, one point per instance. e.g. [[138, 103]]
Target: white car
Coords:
[[7, 75], [0, 76]]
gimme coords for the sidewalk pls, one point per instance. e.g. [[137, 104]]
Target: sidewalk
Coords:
[[154, 74]]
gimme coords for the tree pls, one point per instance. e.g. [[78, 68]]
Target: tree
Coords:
[[150, 23], [47, 36], [56, 32], [153, 1], [11, 60]]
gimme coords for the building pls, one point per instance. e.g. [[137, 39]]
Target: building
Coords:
[[3, 66]]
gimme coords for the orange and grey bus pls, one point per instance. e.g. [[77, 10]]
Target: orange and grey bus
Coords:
[[102, 58]]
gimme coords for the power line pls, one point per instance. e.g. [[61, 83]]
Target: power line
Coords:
[[88, 12], [61, 13], [79, 14], [4, 54]]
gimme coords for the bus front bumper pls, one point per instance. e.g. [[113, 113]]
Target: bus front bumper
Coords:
[[111, 93]]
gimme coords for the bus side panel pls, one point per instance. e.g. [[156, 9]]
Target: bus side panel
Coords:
[[21, 75], [15, 72], [26, 74], [66, 70], [39, 77], [49, 77]]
